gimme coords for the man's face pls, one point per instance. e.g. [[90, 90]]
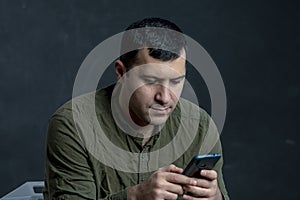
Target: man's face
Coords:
[[159, 85]]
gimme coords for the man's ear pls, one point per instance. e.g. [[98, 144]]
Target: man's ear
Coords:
[[120, 69]]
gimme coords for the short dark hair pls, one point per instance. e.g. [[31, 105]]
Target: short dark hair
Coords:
[[171, 40]]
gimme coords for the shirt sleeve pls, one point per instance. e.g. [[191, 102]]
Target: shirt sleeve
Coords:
[[213, 138], [119, 195], [68, 174], [218, 167]]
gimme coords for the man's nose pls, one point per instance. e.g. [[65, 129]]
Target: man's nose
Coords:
[[163, 94]]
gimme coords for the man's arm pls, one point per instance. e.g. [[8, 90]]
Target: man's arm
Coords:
[[169, 183], [68, 174]]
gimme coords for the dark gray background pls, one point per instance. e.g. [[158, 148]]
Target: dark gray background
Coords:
[[255, 44]]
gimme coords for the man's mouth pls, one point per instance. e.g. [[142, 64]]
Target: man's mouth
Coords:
[[161, 109]]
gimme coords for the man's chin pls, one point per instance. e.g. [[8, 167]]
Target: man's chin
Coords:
[[156, 121]]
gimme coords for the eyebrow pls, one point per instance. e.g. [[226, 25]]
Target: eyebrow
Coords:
[[179, 77], [157, 78]]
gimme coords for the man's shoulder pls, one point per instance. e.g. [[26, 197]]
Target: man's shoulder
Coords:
[[96, 101], [190, 110]]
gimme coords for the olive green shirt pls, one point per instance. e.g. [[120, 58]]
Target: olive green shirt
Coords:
[[78, 159]]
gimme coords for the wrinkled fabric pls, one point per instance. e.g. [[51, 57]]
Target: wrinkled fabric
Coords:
[[74, 152]]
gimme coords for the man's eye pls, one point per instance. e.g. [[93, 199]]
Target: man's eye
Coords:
[[175, 82], [149, 81]]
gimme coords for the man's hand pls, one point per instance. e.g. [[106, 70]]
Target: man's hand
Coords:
[[165, 183], [206, 187]]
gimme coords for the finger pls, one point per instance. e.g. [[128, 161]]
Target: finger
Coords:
[[204, 183], [171, 168], [188, 197], [209, 174], [169, 195], [178, 170], [174, 188], [180, 179], [198, 191], [175, 169]]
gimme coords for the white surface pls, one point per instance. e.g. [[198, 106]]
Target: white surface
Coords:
[[25, 192]]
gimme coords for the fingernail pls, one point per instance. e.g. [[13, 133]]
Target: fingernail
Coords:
[[194, 182]]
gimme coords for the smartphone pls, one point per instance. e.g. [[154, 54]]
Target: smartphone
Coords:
[[200, 162]]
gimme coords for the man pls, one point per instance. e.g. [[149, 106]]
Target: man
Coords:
[[142, 115]]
